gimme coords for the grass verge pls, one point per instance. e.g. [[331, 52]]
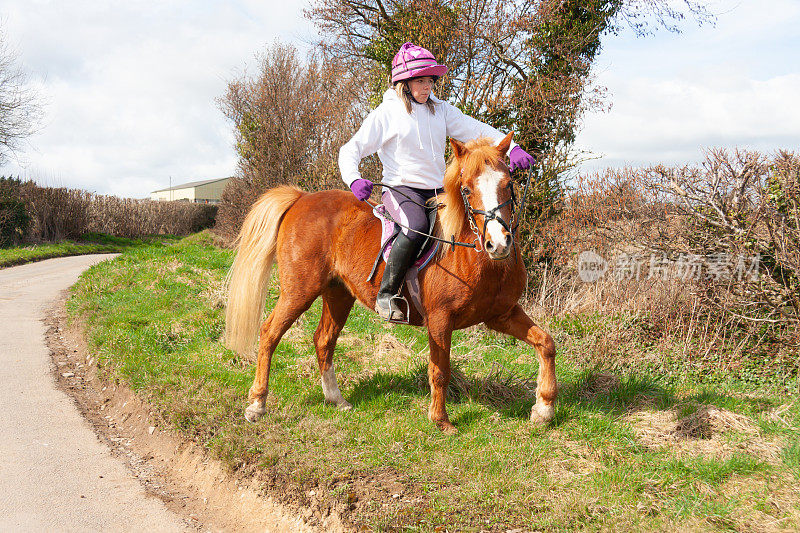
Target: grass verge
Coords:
[[92, 243], [627, 451]]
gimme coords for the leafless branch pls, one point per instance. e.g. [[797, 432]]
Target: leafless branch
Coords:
[[20, 111]]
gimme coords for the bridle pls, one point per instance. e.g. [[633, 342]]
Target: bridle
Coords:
[[488, 216]]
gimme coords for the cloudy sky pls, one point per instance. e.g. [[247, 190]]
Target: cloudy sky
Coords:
[[129, 87], [734, 84]]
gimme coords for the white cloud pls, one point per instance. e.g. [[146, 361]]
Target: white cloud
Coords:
[[733, 85], [672, 120], [130, 87]]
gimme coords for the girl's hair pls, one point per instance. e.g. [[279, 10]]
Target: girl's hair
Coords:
[[404, 92]]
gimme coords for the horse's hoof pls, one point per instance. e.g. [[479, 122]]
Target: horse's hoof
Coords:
[[542, 413], [447, 428], [344, 405], [255, 411]]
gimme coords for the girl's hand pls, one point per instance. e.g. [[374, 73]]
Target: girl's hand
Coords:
[[362, 188], [520, 159]]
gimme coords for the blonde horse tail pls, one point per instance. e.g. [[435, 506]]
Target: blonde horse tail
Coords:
[[248, 278]]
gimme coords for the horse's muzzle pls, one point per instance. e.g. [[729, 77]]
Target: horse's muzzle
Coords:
[[498, 251]]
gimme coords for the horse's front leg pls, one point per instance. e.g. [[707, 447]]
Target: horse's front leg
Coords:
[[516, 323], [440, 333]]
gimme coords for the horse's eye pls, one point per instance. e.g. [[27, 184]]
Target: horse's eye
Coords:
[[467, 191]]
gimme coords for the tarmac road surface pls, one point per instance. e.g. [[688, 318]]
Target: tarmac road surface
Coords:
[[55, 475]]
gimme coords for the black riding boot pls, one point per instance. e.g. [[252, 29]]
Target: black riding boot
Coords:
[[401, 256]]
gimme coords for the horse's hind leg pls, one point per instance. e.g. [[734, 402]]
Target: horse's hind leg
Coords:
[[516, 323], [336, 305], [286, 311]]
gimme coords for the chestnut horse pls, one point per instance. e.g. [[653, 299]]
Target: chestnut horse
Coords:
[[325, 243]]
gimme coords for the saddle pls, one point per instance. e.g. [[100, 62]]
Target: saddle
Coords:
[[427, 251]]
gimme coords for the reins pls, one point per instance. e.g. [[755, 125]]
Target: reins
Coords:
[[493, 214], [521, 210], [452, 242]]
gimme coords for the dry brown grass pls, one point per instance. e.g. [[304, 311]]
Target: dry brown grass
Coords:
[[700, 320], [391, 348], [709, 431], [385, 353], [215, 294], [500, 387], [296, 333], [778, 415], [597, 385]]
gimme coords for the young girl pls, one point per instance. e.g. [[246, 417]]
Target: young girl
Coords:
[[408, 132]]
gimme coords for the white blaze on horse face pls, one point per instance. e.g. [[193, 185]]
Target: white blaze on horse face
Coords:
[[488, 182]]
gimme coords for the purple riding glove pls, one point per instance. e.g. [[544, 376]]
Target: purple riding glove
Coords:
[[361, 188], [520, 159]]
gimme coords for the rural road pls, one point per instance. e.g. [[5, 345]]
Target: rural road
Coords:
[[55, 475]]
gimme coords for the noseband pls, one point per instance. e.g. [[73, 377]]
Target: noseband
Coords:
[[492, 214]]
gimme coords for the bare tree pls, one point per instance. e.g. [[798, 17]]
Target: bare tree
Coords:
[[20, 111], [290, 119]]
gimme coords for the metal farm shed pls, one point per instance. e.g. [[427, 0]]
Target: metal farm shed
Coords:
[[199, 192]]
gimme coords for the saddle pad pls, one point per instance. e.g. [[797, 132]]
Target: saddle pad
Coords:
[[388, 231]]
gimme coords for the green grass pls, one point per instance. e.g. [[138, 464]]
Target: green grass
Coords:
[[155, 315], [92, 243], [791, 457]]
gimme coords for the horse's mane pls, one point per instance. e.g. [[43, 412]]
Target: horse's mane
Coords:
[[452, 218]]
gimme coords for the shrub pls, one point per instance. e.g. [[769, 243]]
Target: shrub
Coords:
[[126, 217], [14, 218], [59, 213], [739, 205], [238, 196], [289, 133], [731, 217]]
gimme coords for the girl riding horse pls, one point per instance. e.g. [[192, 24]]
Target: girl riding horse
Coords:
[[408, 133], [323, 244]]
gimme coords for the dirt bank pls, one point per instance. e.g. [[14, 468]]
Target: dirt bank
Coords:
[[171, 468]]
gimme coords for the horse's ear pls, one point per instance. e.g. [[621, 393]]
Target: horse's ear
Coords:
[[503, 145], [459, 150]]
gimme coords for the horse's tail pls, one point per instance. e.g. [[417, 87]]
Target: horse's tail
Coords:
[[248, 278]]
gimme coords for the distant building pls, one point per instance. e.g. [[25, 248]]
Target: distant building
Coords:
[[199, 192]]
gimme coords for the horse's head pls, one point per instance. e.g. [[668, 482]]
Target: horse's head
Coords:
[[480, 192]]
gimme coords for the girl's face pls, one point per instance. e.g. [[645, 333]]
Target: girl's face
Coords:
[[421, 88]]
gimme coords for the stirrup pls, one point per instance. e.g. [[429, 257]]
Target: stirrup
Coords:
[[394, 308]]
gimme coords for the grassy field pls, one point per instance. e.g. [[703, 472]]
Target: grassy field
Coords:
[[629, 450], [94, 243]]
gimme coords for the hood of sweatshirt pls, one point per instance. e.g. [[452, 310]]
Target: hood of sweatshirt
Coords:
[[421, 116]]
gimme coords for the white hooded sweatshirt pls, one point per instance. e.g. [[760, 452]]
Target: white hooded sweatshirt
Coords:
[[410, 145]]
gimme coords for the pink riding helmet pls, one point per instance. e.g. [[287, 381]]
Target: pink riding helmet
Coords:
[[413, 61]]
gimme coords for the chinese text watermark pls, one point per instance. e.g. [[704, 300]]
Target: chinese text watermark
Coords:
[[718, 266]]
